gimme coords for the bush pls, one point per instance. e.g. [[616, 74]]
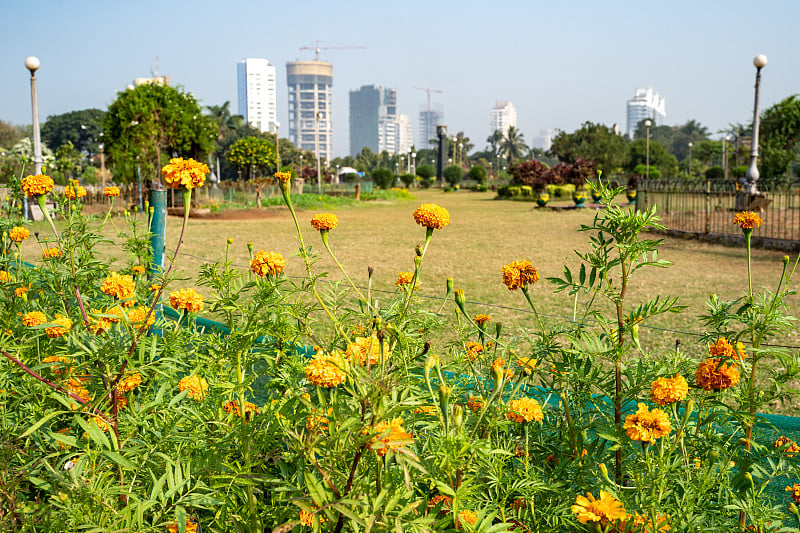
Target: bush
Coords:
[[383, 178], [715, 173], [427, 183], [527, 190], [561, 191], [479, 188], [453, 174], [426, 171], [478, 174], [407, 179]]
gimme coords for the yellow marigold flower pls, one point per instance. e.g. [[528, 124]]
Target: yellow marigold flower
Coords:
[[129, 382], [474, 350], [327, 370], [669, 390], [519, 274], [404, 278], [717, 374], [19, 292], [527, 364], [324, 221], [187, 299], [117, 311], [75, 386], [184, 173], [646, 425], [795, 490], [233, 406], [524, 410], [49, 253], [364, 349], [791, 446], [197, 386], [38, 184], [316, 423], [111, 192], [100, 423], [432, 216], [19, 234], [283, 176], [481, 319], [424, 410], [137, 269], [34, 318], [63, 445], [63, 327], [5, 277], [475, 403], [138, 316], [723, 348], [446, 501], [643, 524], [306, 518], [267, 263], [155, 287], [120, 286], [191, 526], [468, 516], [604, 511], [57, 368], [747, 220], [390, 436], [72, 192]]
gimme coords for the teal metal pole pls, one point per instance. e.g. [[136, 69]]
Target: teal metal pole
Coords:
[[158, 230], [139, 184]]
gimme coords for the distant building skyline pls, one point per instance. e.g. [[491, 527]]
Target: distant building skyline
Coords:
[[375, 123], [645, 103], [428, 120], [503, 116], [257, 93], [310, 85]]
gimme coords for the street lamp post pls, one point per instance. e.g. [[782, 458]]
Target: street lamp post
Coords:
[[32, 64], [316, 137], [690, 159], [277, 146], [725, 139], [461, 154], [760, 61], [414, 163], [647, 124]]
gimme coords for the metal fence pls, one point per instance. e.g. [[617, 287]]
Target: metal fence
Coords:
[[708, 207]]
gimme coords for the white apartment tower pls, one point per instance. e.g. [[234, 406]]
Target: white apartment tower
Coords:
[[258, 102], [645, 104], [504, 115], [311, 106]]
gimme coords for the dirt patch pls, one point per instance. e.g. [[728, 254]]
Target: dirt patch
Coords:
[[245, 214]]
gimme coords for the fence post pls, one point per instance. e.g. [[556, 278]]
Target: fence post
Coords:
[[708, 206], [158, 229]]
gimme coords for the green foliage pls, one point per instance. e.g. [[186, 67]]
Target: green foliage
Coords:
[[478, 174], [641, 171], [512, 146], [252, 156], [715, 173], [383, 178], [10, 134], [594, 142], [660, 158], [780, 131], [453, 174], [426, 171], [407, 179], [83, 129], [66, 163]]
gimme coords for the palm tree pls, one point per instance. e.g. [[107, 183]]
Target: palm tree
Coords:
[[513, 145]]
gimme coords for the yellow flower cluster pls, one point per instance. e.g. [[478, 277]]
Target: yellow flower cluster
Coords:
[[19, 234], [137, 269], [19, 292], [528, 364], [197, 386], [524, 410], [425, 410], [56, 368], [646, 425], [188, 299], [233, 406], [120, 286], [49, 253], [5, 277], [186, 173], [475, 403], [791, 446], [604, 511], [716, 374], [38, 184], [669, 390], [432, 216], [519, 274], [723, 348], [324, 221], [63, 327], [191, 526], [100, 423], [129, 382], [364, 349], [327, 370], [284, 177], [306, 518], [747, 220], [316, 423], [390, 436], [267, 263], [481, 320], [74, 191], [474, 350], [468, 516], [111, 192], [795, 490], [642, 523], [138, 316], [34, 318], [405, 278]]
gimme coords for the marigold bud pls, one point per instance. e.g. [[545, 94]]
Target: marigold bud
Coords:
[[498, 328], [714, 455], [370, 271], [793, 509], [449, 285], [417, 262], [418, 250], [604, 472], [460, 301], [458, 416], [785, 259], [230, 240], [444, 395]]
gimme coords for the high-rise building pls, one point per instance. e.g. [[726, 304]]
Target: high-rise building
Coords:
[[428, 120], [311, 106], [258, 102], [645, 104], [504, 115], [155, 80], [375, 123], [544, 141]]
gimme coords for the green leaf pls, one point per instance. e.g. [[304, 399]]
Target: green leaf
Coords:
[[39, 423]]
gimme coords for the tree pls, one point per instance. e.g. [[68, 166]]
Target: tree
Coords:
[[231, 129], [67, 162], [513, 146], [691, 132], [453, 175], [533, 174], [426, 172], [383, 177], [251, 156], [151, 122], [494, 140], [9, 134], [594, 142], [780, 131], [660, 158], [477, 174], [84, 129], [540, 155]]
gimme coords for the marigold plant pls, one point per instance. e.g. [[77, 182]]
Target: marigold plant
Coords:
[[186, 299], [184, 173], [36, 185], [267, 263]]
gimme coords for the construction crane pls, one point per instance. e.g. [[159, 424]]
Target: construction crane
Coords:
[[317, 48], [429, 91]]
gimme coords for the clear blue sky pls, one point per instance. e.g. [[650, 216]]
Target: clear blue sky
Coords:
[[561, 63]]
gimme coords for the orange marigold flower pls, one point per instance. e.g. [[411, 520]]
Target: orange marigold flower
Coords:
[[405, 278], [197, 386], [38, 184], [122, 402], [446, 501], [646, 425], [138, 316], [187, 299], [63, 445], [327, 370], [795, 490], [73, 191], [75, 386], [717, 374], [307, 518], [129, 382], [100, 423], [519, 274], [324, 221], [191, 526], [19, 292], [155, 287], [233, 406], [186, 173], [63, 327], [19, 234], [432, 216], [481, 319], [424, 410], [524, 410], [57, 368], [643, 524], [34, 318], [791, 447], [267, 263], [5, 277], [723, 348], [283, 176], [474, 350], [390, 436], [111, 192], [604, 511], [49, 253], [527, 364], [475, 403], [315, 423], [747, 220], [669, 390], [120, 286], [137, 269], [468, 516], [364, 349]]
